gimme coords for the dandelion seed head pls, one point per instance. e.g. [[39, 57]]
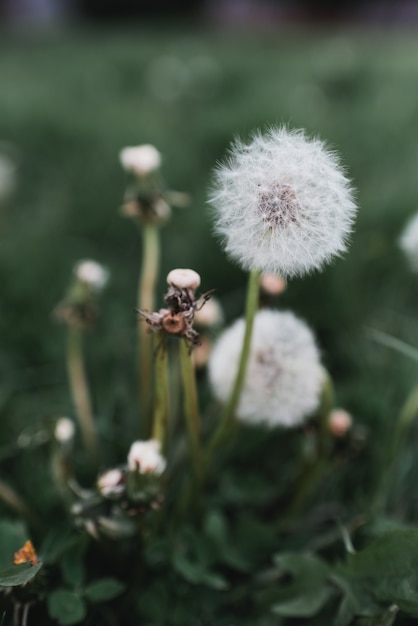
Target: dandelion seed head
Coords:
[[183, 278], [64, 430], [145, 457], [92, 273], [282, 203], [111, 482], [140, 160], [284, 376], [408, 243]]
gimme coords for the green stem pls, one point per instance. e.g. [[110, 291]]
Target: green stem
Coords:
[[227, 418], [145, 302], [191, 407], [80, 391], [313, 471], [397, 438], [161, 398]]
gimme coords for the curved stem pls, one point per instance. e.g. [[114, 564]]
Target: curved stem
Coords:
[[80, 391], [145, 302], [191, 407], [161, 401], [407, 415], [227, 418]]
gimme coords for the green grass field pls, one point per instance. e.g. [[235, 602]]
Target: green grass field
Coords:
[[70, 101]]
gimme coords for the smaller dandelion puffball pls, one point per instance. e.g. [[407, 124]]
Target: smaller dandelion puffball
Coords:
[[64, 430], [183, 279], [408, 243], [282, 203], [145, 457], [284, 376], [140, 160], [111, 483], [92, 274]]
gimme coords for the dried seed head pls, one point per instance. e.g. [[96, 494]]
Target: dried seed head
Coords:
[[340, 422], [140, 160], [92, 274], [272, 284], [183, 279], [174, 324]]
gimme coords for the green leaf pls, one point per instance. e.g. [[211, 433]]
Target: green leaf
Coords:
[[104, 589], [307, 592], [18, 574], [384, 573], [66, 607], [13, 535], [196, 574]]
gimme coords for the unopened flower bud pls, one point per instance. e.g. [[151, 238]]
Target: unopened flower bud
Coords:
[[111, 483], [64, 430], [340, 422], [140, 160], [183, 279], [92, 274], [145, 457], [272, 284], [210, 314]]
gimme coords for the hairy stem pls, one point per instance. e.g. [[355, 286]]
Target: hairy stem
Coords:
[[145, 302], [80, 392]]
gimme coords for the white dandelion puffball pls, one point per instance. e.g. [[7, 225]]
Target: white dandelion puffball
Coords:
[[408, 243], [64, 430], [145, 457], [140, 160], [92, 273], [282, 203], [284, 375]]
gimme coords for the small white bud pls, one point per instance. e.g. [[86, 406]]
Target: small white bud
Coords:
[[145, 457], [183, 279], [140, 160], [92, 273], [272, 284], [111, 482], [210, 314], [340, 422], [64, 430]]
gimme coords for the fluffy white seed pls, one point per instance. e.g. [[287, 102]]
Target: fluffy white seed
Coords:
[[92, 273], [282, 203], [183, 279], [408, 243], [284, 376], [64, 430], [145, 457], [140, 160]]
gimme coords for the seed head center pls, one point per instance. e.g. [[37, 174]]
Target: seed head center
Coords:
[[278, 205]]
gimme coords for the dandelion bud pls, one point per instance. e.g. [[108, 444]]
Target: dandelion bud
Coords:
[[92, 274], [140, 160], [272, 284], [408, 243], [183, 279], [210, 314], [340, 422], [145, 457], [284, 375], [282, 203], [111, 483], [64, 430]]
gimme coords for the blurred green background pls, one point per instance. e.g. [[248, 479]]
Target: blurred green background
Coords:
[[70, 101]]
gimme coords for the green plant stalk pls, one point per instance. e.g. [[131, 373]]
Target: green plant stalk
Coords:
[[227, 418], [145, 302], [406, 416], [313, 472], [162, 396], [191, 408], [80, 392]]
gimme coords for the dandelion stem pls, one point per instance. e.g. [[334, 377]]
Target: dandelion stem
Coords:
[[161, 398], [80, 391], [406, 416], [191, 407], [313, 471], [228, 415], [146, 289]]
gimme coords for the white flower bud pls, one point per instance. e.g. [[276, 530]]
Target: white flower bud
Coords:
[[145, 457], [408, 243], [340, 422], [64, 430], [272, 284], [111, 482], [141, 160], [92, 273], [284, 376], [282, 203], [183, 279], [210, 314]]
